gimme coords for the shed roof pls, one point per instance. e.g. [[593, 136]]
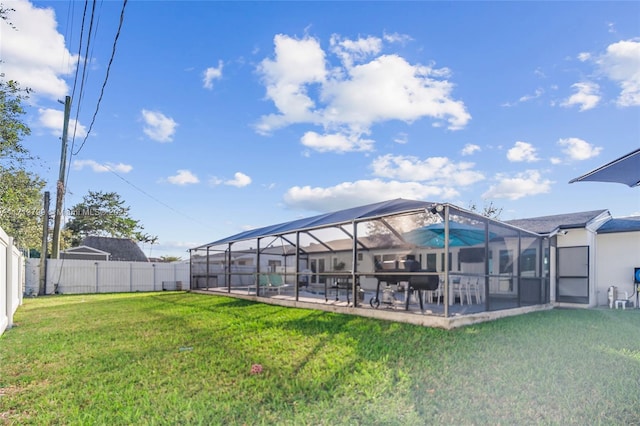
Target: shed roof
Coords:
[[121, 249], [369, 211], [548, 224], [84, 249]]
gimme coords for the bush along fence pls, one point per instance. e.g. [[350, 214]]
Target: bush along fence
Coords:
[[73, 276], [12, 280]]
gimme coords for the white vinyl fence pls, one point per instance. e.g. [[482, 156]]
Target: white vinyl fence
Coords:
[[11, 280], [72, 276]]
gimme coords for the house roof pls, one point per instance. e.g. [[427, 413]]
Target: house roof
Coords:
[[85, 249], [626, 224], [368, 211], [122, 249], [548, 224]]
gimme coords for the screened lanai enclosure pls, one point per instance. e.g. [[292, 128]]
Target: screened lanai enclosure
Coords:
[[411, 257]]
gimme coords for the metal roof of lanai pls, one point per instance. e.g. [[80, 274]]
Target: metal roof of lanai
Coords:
[[370, 211]]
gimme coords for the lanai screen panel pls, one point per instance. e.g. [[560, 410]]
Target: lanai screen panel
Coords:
[[483, 265]]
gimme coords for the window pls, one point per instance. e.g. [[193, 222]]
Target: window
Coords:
[[506, 262], [528, 263], [273, 264], [432, 261]]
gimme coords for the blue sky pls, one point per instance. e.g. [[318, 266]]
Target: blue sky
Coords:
[[222, 116]]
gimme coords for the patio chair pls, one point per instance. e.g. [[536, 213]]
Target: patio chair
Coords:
[[476, 290], [461, 289], [263, 282], [276, 283]]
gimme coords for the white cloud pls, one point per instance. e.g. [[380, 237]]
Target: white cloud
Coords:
[[403, 92], [397, 38], [621, 63], [184, 177], [470, 149], [336, 142], [53, 119], [522, 152], [344, 102], [351, 51], [586, 96], [578, 149], [34, 53], [584, 56], [101, 168], [239, 180], [521, 185], [351, 194], [435, 170], [158, 126], [536, 94], [211, 74]]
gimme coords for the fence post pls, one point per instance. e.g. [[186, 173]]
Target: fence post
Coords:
[[96, 263], [9, 277], [131, 277], [153, 265]]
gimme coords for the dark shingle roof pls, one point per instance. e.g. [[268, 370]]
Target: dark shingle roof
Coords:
[[627, 224], [122, 249], [548, 224]]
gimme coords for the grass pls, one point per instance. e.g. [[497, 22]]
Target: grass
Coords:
[[179, 358]]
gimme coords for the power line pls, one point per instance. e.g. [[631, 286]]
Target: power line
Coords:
[[104, 84], [153, 198]]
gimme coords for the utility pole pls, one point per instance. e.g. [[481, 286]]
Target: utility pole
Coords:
[[42, 290], [55, 249]]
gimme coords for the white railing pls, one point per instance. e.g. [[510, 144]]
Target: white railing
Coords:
[[72, 276], [11, 280]]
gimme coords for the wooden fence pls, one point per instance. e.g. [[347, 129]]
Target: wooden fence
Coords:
[[72, 276], [11, 280]]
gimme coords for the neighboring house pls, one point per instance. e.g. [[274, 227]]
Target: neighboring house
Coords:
[[106, 248], [593, 252], [84, 253]]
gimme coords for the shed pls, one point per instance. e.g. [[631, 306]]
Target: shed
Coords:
[[120, 249], [84, 253]]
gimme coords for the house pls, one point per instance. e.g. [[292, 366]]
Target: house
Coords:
[[567, 260], [593, 253], [106, 248]]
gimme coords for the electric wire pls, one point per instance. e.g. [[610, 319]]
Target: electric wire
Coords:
[[152, 197], [106, 79], [61, 185]]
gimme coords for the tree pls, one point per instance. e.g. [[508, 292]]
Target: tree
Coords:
[[20, 207], [12, 129], [104, 214], [489, 210], [20, 198], [170, 258]]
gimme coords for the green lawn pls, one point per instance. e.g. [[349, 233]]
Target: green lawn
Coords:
[[179, 358]]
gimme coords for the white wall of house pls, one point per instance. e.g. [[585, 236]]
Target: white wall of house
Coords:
[[617, 255]]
